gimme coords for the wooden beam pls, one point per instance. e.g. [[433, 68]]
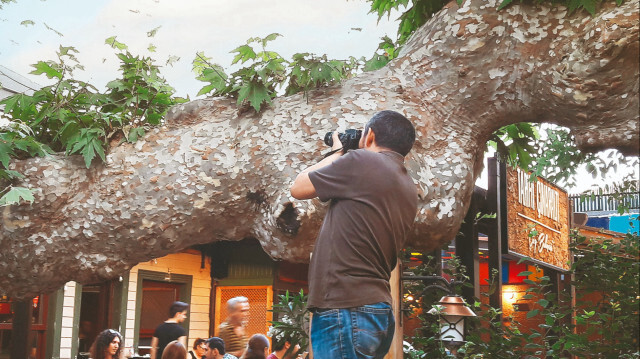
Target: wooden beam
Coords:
[[467, 251], [21, 328], [495, 233]]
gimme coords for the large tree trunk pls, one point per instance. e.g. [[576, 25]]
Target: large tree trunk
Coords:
[[213, 174]]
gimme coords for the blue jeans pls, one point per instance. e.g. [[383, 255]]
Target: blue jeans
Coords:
[[352, 333]]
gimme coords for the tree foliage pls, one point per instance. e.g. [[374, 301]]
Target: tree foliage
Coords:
[[16, 139], [74, 117], [603, 323], [265, 73], [291, 322]]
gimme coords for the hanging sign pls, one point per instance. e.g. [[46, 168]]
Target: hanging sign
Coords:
[[537, 220]]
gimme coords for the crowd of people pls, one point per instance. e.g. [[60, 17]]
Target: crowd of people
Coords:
[[169, 339]]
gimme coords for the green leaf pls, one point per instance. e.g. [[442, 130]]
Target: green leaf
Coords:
[[46, 68], [111, 41], [54, 30], [15, 195], [151, 48], [88, 153], [216, 77], [5, 150], [67, 51], [117, 84], [245, 53], [504, 4], [543, 303], [135, 133], [77, 146], [206, 89], [9, 174], [376, 62], [590, 6], [201, 62], [549, 320], [270, 37], [153, 32], [532, 313], [535, 335], [172, 60], [255, 93]]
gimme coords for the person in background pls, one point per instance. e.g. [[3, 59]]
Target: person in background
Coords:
[[108, 345], [170, 330], [215, 349], [257, 347], [199, 347], [174, 350], [85, 334], [280, 348], [232, 331]]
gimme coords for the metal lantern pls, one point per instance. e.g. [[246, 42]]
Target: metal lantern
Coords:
[[452, 311]]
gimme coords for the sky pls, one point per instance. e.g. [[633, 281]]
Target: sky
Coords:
[[338, 28]]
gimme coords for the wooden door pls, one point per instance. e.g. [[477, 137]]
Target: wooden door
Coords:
[[157, 297]]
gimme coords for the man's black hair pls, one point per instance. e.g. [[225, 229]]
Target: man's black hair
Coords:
[[278, 344], [393, 131], [177, 307], [216, 343]]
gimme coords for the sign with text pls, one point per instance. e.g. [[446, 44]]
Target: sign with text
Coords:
[[537, 220]]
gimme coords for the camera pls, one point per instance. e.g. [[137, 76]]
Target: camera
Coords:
[[349, 139]]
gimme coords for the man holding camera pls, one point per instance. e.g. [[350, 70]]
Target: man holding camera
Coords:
[[373, 207]]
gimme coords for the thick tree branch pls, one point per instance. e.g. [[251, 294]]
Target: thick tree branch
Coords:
[[213, 174]]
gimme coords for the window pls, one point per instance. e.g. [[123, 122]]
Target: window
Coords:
[[36, 341], [260, 301]]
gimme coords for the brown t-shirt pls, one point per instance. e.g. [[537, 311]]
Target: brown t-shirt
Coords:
[[232, 342], [373, 206]]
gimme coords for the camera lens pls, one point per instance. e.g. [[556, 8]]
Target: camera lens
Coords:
[[328, 139]]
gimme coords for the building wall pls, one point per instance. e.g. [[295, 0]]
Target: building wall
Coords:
[[186, 263], [617, 223], [625, 224], [67, 327]]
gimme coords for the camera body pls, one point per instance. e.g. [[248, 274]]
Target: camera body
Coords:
[[350, 139]]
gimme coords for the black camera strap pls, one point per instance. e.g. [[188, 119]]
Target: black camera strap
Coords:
[[332, 152]]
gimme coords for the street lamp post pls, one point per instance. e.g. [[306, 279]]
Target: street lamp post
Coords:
[[452, 312], [451, 309]]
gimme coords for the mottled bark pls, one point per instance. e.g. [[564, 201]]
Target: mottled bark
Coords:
[[212, 174]]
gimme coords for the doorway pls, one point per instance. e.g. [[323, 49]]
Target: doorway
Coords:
[[95, 310], [156, 293], [157, 297]]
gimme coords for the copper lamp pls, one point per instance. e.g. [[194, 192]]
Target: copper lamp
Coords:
[[452, 311]]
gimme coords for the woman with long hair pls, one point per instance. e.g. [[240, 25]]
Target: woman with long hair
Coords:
[[257, 347], [174, 350], [108, 345]]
